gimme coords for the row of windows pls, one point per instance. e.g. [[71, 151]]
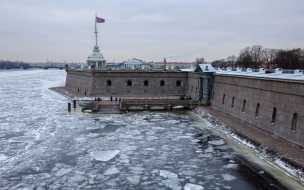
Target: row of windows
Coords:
[[274, 111], [145, 83]]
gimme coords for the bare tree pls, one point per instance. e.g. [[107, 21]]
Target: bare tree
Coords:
[[245, 59], [231, 61], [256, 53]]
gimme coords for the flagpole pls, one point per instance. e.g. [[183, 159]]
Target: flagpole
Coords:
[[95, 31]]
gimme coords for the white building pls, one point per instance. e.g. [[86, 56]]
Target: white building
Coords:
[[133, 63], [96, 58]]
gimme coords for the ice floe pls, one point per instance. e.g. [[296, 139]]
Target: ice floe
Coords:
[[104, 155], [190, 186], [217, 142], [168, 174], [111, 171], [228, 177]]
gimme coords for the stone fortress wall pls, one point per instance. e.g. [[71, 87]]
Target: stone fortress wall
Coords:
[[275, 106], [128, 82]]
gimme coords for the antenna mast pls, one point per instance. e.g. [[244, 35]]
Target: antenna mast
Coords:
[[95, 30]]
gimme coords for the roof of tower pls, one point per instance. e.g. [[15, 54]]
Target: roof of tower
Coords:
[[96, 55]]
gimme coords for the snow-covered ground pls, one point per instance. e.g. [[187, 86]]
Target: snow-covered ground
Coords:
[[42, 146]]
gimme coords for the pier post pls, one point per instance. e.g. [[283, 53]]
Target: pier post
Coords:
[[146, 107], [69, 107], [74, 103], [169, 107]]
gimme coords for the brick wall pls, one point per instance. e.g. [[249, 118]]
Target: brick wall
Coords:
[[286, 96]]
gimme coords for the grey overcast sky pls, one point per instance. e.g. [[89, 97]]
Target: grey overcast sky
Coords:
[[37, 30]]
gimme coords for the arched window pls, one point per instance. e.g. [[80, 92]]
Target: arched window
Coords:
[[223, 101], [232, 103], [129, 82], [162, 83], [146, 83], [244, 106], [108, 83], [178, 83], [294, 122], [274, 115], [257, 110]]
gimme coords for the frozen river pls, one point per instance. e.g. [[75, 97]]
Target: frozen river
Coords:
[[42, 146]]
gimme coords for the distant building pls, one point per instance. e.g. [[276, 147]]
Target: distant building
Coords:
[[136, 63]]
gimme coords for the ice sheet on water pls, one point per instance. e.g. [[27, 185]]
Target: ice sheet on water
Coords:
[[63, 171], [133, 132], [209, 177], [168, 174], [233, 166], [22, 139], [151, 138], [228, 177], [110, 171], [217, 142], [191, 186], [137, 168], [173, 184], [209, 149], [171, 121], [3, 157], [134, 179], [104, 155]]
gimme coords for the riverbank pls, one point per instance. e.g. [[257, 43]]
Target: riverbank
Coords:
[[282, 154]]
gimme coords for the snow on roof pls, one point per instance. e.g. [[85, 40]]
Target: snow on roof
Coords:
[[278, 74]]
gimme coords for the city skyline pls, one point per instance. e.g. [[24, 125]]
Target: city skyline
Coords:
[[151, 30]]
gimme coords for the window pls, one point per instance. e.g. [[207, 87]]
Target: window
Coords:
[[223, 101], [146, 83], [232, 103], [244, 106], [129, 82], [178, 83], [108, 83], [294, 122], [191, 88], [274, 115], [257, 110], [145, 91], [162, 83], [212, 95]]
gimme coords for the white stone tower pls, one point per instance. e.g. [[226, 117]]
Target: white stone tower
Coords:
[[96, 59]]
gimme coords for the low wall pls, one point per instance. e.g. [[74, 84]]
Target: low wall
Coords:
[[148, 103], [275, 106]]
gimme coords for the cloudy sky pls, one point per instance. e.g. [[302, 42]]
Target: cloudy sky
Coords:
[[58, 30]]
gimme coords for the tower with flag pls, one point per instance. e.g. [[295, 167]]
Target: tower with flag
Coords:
[[96, 59]]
